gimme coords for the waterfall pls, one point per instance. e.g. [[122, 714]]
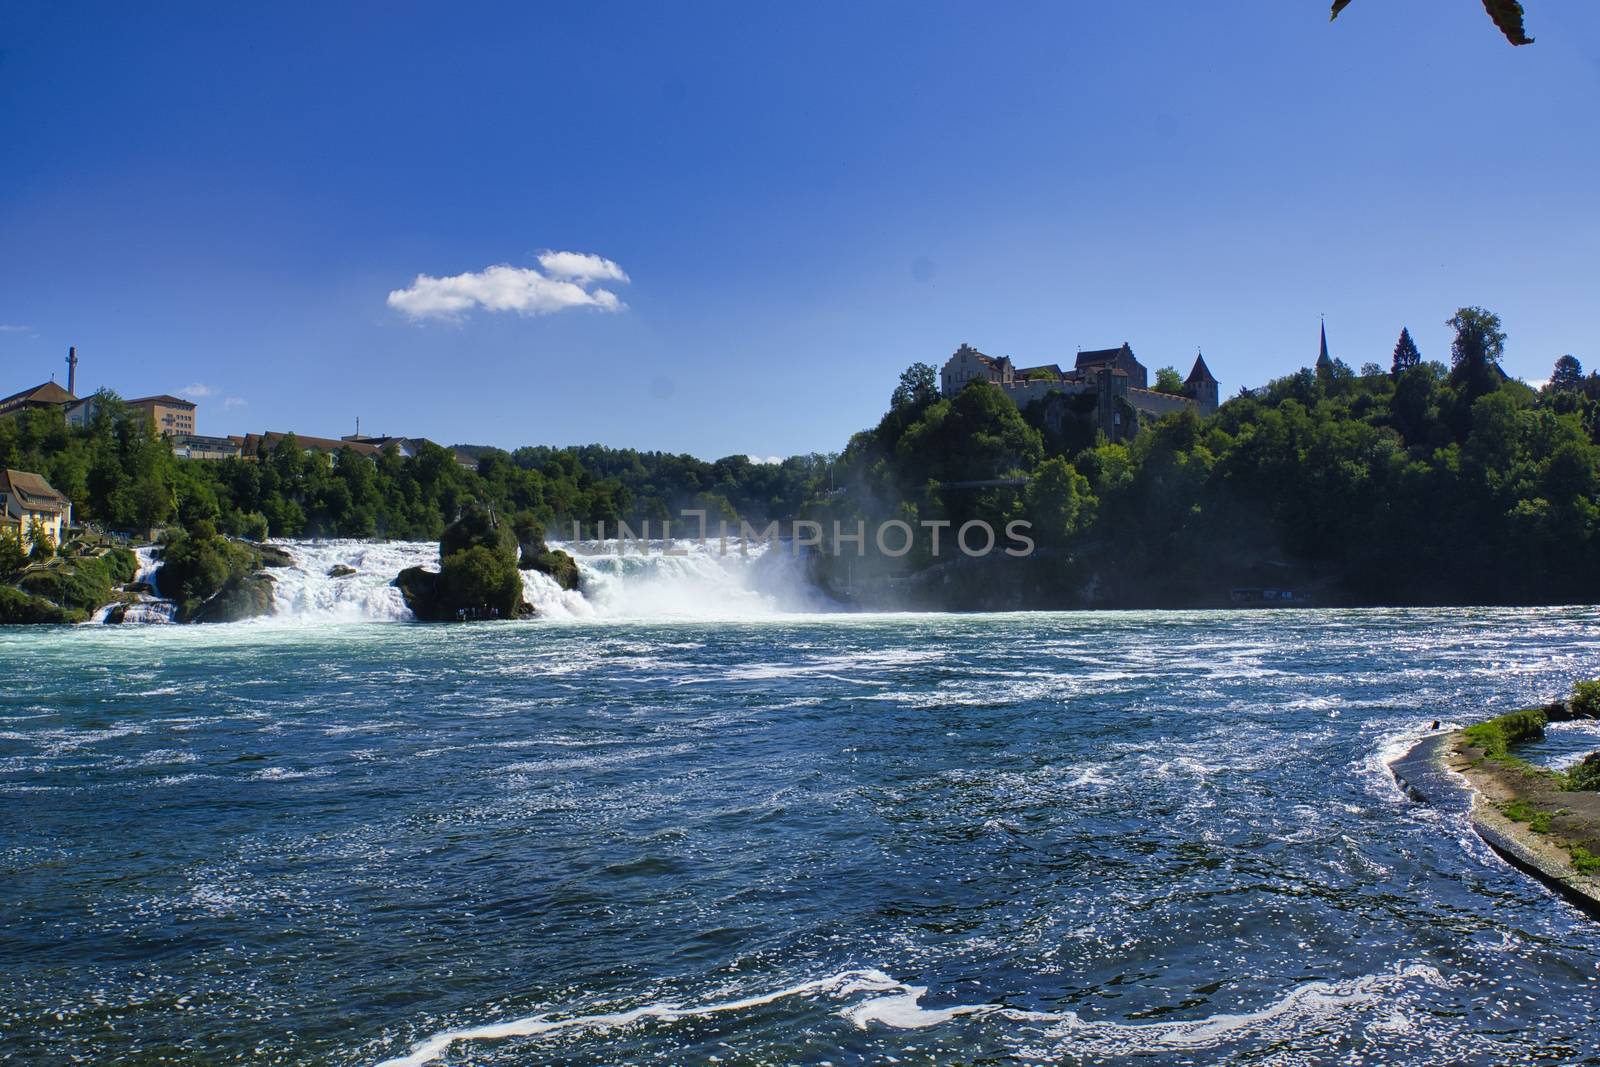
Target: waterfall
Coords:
[[351, 581], [701, 582], [347, 581], [146, 607]]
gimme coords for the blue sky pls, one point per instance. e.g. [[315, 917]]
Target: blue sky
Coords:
[[804, 199]]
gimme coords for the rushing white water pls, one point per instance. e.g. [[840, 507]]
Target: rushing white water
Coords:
[[693, 580], [347, 581], [148, 610], [352, 581], [147, 607]]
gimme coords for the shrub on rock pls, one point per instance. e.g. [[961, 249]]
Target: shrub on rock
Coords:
[[213, 579], [535, 555], [80, 583], [478, 527], [479, 583], [1585, 700], [19, 607], [477, 578], [243, 598], [1586, 774], [557, 564]]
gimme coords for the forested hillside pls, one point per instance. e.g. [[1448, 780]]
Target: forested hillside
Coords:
[[1416, 483]]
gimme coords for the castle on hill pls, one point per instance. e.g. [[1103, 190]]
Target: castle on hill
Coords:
[[1112, 379]]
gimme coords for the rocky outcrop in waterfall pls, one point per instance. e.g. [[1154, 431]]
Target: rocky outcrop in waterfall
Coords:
[[538, 556], [213, 578], [477, 576]]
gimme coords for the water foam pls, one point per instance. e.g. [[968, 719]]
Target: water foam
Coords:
[[311, 591], [1311, 1000], [841, 984], [1376, 767], [688, 579], [898, 1006]]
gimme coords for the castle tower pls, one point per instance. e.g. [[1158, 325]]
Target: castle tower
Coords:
[[1201, 386], [72, 370]]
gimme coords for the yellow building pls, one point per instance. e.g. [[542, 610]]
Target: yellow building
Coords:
[[26, 498], [172, 414]]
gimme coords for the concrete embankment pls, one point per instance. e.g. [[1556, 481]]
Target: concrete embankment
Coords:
[[1548, 824]]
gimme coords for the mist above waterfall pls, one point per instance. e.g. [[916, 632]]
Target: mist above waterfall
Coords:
[[702, 582]]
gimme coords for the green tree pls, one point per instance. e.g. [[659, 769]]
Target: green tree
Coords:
[[977, 434], [1567, 375], [12, 555], [1475, 353], [1406, 355], [919, 387], [1168, 380], [1414, 407], [253, 526], [1057, 502], [41, 545]]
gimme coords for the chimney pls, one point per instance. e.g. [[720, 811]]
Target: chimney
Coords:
[[72, 370]]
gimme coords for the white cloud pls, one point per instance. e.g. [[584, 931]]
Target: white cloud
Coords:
[[771, 461], [7, 327], [569, 284], [232, 402], [196, 391], [581, 267]]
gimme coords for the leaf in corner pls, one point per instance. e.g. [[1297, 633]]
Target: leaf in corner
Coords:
[[1507, 14]]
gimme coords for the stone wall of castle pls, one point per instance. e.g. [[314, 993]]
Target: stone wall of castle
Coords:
[[1023, 392], [1150, 402], [1116, 389]]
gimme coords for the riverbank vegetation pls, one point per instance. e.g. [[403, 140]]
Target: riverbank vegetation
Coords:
[[1496, 736], [1496, 739], [1422, 483], [61, 587], [122, 476], [1562, 806]]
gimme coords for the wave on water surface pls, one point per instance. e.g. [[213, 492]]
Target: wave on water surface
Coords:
[[897, 1005]]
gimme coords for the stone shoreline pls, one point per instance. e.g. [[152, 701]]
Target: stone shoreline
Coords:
[[1438, 765]]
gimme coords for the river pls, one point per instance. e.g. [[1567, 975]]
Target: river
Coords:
[[766, 837]]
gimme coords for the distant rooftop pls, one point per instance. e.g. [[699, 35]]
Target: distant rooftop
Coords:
[[47, 393], [32, 490], [164, 398]]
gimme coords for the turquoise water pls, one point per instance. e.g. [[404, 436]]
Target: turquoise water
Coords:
[[1151, 837]]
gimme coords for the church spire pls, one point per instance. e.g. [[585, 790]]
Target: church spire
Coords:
[[1322, 357]]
